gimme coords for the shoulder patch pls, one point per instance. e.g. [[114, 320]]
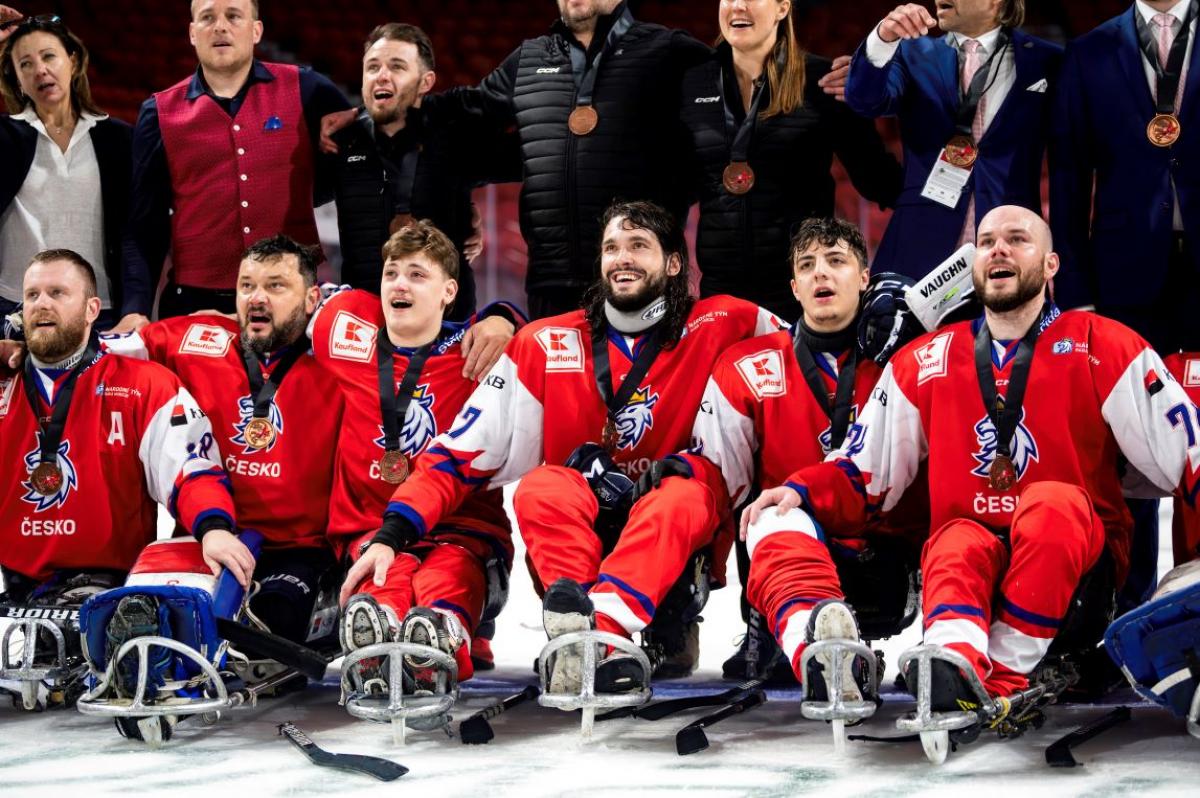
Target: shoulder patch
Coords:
[[931, 358], [205, 339], [352, 338], [1191, 373], [8, 386], [763, 373], [563, 347]]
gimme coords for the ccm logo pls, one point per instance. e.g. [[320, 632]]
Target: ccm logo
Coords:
[[548, 70], [708, 99]]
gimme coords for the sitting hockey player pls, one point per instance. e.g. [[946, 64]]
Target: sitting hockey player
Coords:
[[606, 391], [404, 372], [1185, 515], [1022, 418], [93, 443], [777, 403]]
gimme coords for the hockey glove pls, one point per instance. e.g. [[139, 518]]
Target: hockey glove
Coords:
[[609, 483], [885, 322], [397, 532], [657, 472]]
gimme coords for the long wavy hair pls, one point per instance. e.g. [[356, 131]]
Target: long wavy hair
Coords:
[[669, 232], [784, 68], [10, 84]]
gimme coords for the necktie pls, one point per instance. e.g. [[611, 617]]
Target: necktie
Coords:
[[970, 67], [1165, 23]]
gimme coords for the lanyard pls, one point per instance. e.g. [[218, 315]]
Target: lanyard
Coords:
[[641, 365], [52, 430], [393, 403], [969, 100], [740, 134], [263, 391], [1167, 77], [585, 76], [839, 411]]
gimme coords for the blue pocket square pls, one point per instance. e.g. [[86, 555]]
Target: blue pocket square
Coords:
[[273, 123]]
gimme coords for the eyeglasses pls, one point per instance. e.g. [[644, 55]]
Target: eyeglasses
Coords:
[[40, 21]]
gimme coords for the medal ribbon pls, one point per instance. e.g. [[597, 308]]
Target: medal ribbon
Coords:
[[641, 365], [1167, 77], [52, 430], [739, 151], [968, 101], [585, 77], [1006, 413], [393, 403], [839, 411], [262, 390]]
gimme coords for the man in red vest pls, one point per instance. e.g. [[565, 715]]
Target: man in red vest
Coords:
[[221, 159]]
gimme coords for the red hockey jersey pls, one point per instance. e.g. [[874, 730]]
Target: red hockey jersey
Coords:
[[540, 402], [344, 333], [134, 436], [1095, 392], [282, 490]]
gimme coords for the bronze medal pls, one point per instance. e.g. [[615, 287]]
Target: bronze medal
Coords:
[[608, 436], [738, 178], [259, 433], [961, 152], [47, 478], [1002, 474], [583, 120], [393, 467], [1163, 130]]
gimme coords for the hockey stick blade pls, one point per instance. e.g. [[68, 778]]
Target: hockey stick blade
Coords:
[[476, 730], [691, 739], [1058, 755], [662, 709], [280, 649], [380, 768]]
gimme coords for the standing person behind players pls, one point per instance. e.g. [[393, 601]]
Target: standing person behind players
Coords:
[[1020, 515], [404, 342], [92, 442], [626, 373], [67, 181], [974, 114], [400, 161], [221, 160], [777, 403], [596, 105], [276, 415], [763, 136]]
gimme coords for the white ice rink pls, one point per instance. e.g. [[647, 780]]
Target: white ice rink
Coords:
[[770, 751]]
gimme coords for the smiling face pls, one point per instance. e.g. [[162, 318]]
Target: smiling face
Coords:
[[751, 25], [828, 281], [1013, 258], [633, 266], [416, 292], [273, 302], [59, 307], [393, 79], [224, 33], [44, 70], [971, 17]]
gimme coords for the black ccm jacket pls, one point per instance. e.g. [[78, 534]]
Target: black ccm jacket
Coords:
[[743, 242]]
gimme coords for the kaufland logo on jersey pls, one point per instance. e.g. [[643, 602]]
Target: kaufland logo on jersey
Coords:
[[563, 347], [206, 339], [763, 373], [353, 338], [1191, 374], [931, 358]]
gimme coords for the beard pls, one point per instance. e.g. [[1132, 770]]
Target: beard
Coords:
[[282, 333], [652, 288], [404, 101], [583, 20], [53, 345], [1029, 285]]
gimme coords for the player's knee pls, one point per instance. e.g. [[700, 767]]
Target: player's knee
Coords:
[[546, 489], [1056, 517], [960, 541]]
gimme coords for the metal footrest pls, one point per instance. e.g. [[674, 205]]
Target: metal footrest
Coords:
[[587, 699], [27, 671], [837, 651], [399, 707], [1193, 718], [103, 699], [924, 719]]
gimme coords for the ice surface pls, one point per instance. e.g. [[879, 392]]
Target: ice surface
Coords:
[[770, 751]]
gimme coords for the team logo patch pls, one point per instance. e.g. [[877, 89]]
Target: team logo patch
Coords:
[[420, 426], [635, 418], [826, 436], [353, 338], [563, 347], [246, 409], [763, 373], [931, 358], [1063, 347], [1024, 447], [70, 480], [8, 387], [1191, 377], [207, 340]]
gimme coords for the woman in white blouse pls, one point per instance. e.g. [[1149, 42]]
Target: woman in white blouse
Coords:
[[65, 181]]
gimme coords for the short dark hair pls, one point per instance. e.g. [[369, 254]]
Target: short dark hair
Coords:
[[423, 237], [75, 259], [1012, 13], [828, 231], [278, 245], [403, 32], [253, 7]]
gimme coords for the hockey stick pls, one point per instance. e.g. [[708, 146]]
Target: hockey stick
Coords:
[[476, 730], [1058, 755], [272, 646], [691, 738], [382, 769], [662, 709]]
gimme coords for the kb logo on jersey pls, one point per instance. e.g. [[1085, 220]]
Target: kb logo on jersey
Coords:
[[635, 418], [1024, 447], [246, 408], [420, 426], [70, 480]]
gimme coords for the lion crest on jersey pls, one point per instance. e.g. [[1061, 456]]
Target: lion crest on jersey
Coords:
[[420, 426], [1024, 447], [635, 418], [70, 480], [246, 409]]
